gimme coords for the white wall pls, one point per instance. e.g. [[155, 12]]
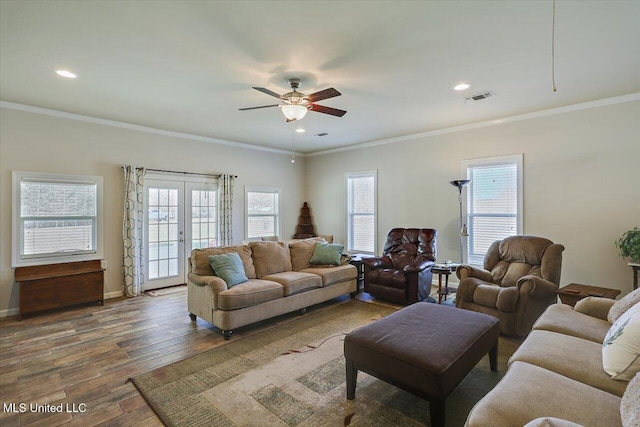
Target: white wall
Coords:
[[40, 143], [581, 185]]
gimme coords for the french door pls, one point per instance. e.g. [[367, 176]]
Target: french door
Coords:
[[180, 216]]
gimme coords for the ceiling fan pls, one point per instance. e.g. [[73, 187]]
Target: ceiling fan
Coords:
[[296, 104]]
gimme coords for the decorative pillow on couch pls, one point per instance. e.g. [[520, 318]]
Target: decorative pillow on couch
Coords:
[[630, 406], [621, 346], [229, 268], [624, 304], [327, 254]]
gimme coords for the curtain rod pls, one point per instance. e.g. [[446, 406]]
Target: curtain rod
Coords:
[[184, 173]]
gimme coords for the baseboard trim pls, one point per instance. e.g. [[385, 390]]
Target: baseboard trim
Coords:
[[110, 295]]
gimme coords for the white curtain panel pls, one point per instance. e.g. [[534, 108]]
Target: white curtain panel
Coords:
[[132, 231], [225, 185]]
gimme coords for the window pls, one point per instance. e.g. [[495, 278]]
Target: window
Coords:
[[56, 218], [494, 202], [361, 212], [263, 212]]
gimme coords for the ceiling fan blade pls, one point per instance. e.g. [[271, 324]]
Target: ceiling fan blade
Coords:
[[255, 108], [268, 92], [327, 110], [323, 94]]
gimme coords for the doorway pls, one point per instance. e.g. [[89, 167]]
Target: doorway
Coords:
[[181, 215]]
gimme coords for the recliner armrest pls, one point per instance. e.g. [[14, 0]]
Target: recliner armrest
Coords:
[[537, 287], [418, 265], [595, 307], [378, 262], [465, 270]]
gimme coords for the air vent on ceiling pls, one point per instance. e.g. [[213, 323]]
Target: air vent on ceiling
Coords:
[[480, 96], [321, 134]]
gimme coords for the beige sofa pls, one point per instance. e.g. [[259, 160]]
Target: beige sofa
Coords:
[[281, 280], [556, 377]]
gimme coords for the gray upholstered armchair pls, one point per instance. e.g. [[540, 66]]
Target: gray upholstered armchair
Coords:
[[519, 281]]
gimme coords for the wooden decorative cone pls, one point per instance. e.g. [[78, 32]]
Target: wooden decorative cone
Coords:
[[304, 229]]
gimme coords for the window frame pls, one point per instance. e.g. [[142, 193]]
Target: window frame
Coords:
[[278, 216], [17, 241], [512, 159], [349, 225]]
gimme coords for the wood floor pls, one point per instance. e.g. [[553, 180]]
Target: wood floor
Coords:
[[85, 355]]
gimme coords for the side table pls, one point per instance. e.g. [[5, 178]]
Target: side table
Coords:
[[635, 267], [356, 261], [574, 292], [444, 270]]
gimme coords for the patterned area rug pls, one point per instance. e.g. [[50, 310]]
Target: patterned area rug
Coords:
[[294, 375]]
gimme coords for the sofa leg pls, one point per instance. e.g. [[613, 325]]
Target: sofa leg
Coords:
[[353, 295], [227, 334], [303, 311], [192, 316]]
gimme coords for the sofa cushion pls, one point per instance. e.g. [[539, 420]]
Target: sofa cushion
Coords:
[[625, 303], [621, 346], [630, 406], [200, 259], [295, 282], [563, 319], [270, 257], [572, 357], [326, 254], [528, 392], [301, 252], [332, 275], [229, 268], [249, 293]]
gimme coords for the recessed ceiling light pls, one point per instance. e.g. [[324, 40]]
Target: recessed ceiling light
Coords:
[[461, 86], [65, 73], [300, 130]]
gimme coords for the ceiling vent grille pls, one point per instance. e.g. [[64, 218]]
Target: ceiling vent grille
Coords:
[[480, 96]]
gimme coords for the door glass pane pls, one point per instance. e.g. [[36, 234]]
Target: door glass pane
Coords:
[[204, 223], [163, 232]]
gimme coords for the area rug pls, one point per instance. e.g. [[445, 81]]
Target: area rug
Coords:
[[294, 375]]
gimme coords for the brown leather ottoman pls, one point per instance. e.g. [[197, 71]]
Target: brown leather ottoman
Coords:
[[426, 349]]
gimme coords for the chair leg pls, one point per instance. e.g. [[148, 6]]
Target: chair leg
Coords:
[[352, 379]]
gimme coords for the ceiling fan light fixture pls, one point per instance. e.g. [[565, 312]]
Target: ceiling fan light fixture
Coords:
[[294, 112]]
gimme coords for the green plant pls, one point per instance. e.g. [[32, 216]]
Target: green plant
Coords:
[[629, 244]]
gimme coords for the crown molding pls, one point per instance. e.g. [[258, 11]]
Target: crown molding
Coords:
[[139, 128], [493, 122]]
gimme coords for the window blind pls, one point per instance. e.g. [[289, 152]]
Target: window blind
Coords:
[[262, 214], [361, 213], [492, 206]]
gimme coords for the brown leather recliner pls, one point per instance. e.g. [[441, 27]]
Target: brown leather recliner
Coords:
[[403, 274], [519, 281]]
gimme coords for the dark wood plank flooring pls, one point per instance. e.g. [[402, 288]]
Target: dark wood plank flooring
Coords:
[[85, 355]]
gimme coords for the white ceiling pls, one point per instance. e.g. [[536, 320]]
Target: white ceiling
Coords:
[[187, 66]]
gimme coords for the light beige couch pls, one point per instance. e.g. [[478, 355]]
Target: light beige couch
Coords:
[[556, 377], [281, 280]]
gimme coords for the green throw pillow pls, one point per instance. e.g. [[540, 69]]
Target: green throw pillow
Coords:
[[229, 268], [326, 253]]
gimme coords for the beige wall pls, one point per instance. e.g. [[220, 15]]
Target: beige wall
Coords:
[[39, 143], [581, 184]]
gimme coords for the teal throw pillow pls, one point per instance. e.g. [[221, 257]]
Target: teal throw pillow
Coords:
[[229, 268], [326, 253]]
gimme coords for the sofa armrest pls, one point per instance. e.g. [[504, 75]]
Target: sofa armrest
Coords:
[[216, 283], [418, 265], [551, 422], [465, 270], [594, 307], [537, 287], [378, 262]]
